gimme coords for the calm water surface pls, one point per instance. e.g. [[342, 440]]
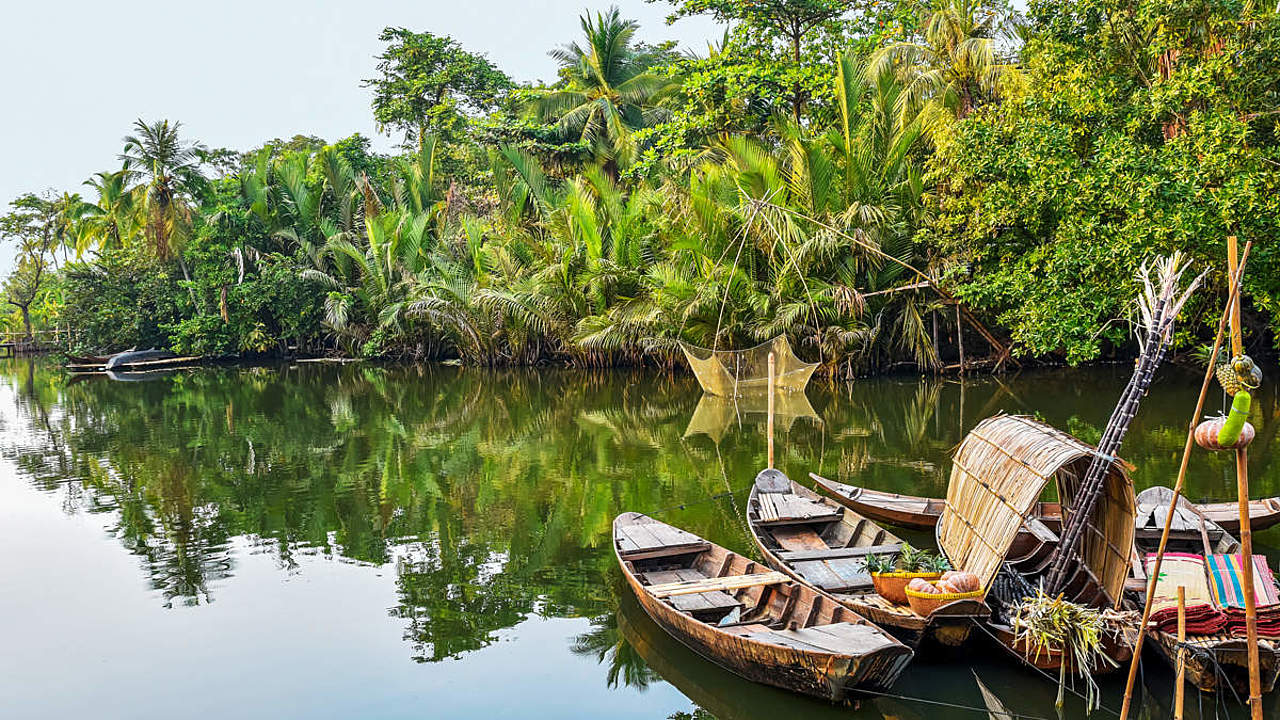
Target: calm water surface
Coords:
[[389, 542]]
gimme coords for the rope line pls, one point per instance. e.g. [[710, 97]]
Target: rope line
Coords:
[[957, 706], [693, 503]]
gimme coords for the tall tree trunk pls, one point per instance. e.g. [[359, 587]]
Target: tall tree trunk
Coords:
[[191, 290], [796, 101], [26, 319]]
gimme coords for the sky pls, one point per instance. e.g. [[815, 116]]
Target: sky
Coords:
[[235, 73]]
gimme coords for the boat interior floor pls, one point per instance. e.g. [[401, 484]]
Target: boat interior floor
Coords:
[[821, 554]]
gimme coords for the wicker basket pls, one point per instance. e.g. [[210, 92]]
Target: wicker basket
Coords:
[[892, 586], [925, 603]]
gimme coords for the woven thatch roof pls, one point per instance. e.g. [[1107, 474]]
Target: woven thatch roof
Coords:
[[733, 373], [998, 474]]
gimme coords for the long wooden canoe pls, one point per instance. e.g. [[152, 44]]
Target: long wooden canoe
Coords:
[[825, 545], [762, 625], [922, 513], [1212, 660]]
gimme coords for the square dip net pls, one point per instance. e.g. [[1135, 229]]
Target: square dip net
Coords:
[[736, 373]]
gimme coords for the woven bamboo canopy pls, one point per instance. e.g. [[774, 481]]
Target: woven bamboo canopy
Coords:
[[997, 476], [735, 373]]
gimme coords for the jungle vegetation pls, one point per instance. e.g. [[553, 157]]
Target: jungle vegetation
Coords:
[[861, 176]]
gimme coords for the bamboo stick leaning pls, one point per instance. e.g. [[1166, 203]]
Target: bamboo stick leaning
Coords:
[[1154, 573]]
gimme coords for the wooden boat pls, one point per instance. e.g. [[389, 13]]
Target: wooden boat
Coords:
[[139, 362], [1212, 660], [922, 513], [87, 360], [989, 526], [825, 545], [136, 357], [1263, 513], [760, 624], [908, 511]]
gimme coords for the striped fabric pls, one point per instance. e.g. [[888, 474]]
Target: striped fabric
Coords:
[[1228, 586]]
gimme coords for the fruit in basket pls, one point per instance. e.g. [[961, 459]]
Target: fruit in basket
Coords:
[[921, 585], [963, 582]]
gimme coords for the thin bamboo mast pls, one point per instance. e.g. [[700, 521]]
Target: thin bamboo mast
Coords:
[[1180, 686], [772, 365], [1246, 532], [1177, 488]]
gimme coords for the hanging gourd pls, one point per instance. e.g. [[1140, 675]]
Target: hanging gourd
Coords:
[[1238, 377]]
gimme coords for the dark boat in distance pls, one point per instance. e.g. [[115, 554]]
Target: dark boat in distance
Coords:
[[922, 513], [815, 540], [133, 357], [760, 624], [135, 361]]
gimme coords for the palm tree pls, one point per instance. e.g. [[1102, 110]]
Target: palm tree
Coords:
[[954, 67], [609, 92], [110, 221], [68, 223], [167, 171]]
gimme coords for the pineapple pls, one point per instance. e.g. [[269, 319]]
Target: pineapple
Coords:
[[1240, 373]]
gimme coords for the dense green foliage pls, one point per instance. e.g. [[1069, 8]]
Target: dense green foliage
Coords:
[[842, 172], [1143, 129]]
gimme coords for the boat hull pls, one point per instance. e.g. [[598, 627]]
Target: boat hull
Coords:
[[834, 676], [922, 513], [781, 667], [1051, 661], [1218, 663]]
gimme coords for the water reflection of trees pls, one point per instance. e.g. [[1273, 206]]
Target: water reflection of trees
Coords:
[[492, 493]]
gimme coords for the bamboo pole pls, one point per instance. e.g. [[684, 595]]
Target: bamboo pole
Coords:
[[772, 365], [1246, 532], [1180, 687], [1233, 293]]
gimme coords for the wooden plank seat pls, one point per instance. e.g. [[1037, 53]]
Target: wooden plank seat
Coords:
[[838, 553], [731, 582], [843, 638], [787, 508], [714, 601], [747, 629], [654, 540]]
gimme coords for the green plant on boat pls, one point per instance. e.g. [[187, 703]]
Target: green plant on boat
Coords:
[[1045, 624], [914, 560], [880, 563]]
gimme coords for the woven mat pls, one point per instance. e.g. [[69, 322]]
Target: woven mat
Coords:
[[1228, 583]]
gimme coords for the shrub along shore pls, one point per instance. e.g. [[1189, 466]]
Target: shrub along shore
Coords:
[[888, 184]]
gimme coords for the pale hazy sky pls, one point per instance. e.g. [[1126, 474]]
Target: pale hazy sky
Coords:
[[75, 75]]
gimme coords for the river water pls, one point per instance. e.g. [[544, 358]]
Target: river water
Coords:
[[434, 542]]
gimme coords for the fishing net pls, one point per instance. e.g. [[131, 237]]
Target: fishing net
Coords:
[[716, 416], [734, 373]]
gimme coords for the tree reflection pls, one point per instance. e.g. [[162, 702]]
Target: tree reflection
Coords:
[[492, 493]]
